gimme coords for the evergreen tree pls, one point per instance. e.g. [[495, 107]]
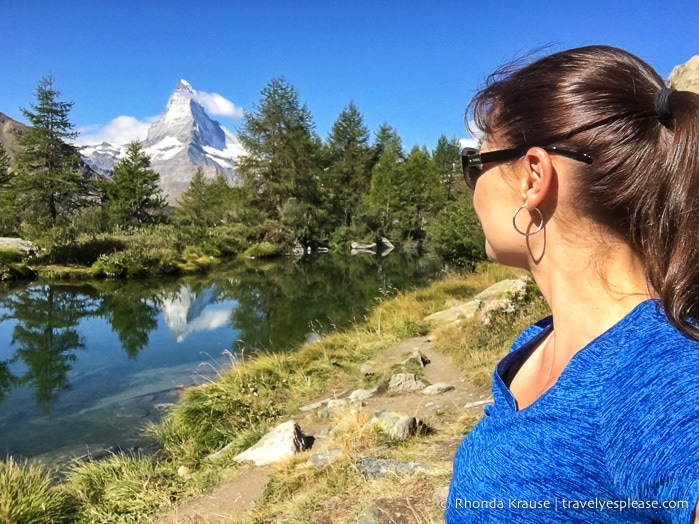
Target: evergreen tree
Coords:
[[283, 158], [134, 195], [9, 221], [205, 204], [384, 199], [421, 192], [349, 174], [47, 182], [5, 173], [446, 159]]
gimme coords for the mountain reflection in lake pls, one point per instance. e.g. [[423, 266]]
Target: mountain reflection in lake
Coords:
[[83, 367]]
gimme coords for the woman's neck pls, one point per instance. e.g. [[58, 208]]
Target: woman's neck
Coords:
[[589, 290]]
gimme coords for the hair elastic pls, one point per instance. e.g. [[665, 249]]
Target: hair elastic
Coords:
[[662, 102]]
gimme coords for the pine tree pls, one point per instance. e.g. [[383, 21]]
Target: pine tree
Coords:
[[134, 195], [47, 181], [349, 174]]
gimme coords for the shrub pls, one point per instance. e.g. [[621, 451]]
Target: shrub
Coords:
[[264, 249], [456, 236]]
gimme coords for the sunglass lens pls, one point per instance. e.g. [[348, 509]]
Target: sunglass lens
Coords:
[[471, 171]]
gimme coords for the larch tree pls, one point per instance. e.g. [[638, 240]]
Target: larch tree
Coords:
[[48, 182]]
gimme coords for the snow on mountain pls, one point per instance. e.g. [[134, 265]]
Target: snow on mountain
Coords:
[[186, 311], [181, 140]]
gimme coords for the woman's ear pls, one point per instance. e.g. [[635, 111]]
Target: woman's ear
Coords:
[[537, 177]]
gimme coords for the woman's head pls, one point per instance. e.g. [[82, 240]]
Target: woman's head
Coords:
[[643, 184]]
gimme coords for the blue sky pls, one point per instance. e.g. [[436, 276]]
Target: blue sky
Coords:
[[411, 64]]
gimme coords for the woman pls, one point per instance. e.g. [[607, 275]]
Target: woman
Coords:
[[596, 408]]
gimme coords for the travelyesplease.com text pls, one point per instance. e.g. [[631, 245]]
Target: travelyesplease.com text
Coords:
[[557, 504]]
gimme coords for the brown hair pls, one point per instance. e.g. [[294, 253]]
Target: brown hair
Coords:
[[643, 184]]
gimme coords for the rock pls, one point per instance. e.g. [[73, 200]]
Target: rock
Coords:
[[685, 77], [362, 394], [478, 403], [374, 468], [327, 457], [417, 357], [396, 425], [18, 244], [280, 444], [366, 368], [337, 403], [454, 313], [496, 297], [358, 247], [437, 389], [184, 472], [404, 383]]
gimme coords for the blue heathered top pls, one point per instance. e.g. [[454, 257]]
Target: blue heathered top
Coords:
[[617, 434]]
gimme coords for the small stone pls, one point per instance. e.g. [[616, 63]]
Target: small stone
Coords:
[[478, 403], [437, 389], [362, 394], [404, 383], [396, 425], [373, 468], [321, 460], [184, 472]]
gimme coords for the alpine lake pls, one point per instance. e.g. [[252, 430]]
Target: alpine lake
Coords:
[[85, 366]]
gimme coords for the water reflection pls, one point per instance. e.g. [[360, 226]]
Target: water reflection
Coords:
[[79, 349]]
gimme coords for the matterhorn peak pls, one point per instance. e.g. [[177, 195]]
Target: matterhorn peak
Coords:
[[184, 87]]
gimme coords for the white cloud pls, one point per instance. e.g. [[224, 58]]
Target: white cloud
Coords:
[[217, 105], [120, 131]]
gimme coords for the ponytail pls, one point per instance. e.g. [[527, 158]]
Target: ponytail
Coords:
[[672, 252]]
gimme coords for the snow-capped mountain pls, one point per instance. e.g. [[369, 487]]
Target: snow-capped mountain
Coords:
[[186, 311], [181, 140]]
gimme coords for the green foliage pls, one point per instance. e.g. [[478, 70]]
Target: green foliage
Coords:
[[448, 163], [46, 183], [205, 206], [133, 195], [282, 159], [27, 495], [123, 488], [264, 250], [405, 193], [350, 159], [455, 234]]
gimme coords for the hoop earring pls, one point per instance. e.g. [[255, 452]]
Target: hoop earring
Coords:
[[539, 227]]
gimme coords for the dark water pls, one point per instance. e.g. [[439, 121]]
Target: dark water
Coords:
[[83, 367]]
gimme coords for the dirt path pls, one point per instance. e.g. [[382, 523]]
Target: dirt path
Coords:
[[241, 493]]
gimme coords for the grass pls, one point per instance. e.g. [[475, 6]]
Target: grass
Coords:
[[27, 495], [259, 393]]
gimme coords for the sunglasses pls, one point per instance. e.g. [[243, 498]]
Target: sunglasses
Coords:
[[472, 161]]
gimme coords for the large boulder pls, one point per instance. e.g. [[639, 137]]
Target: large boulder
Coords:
[[280, 444]]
